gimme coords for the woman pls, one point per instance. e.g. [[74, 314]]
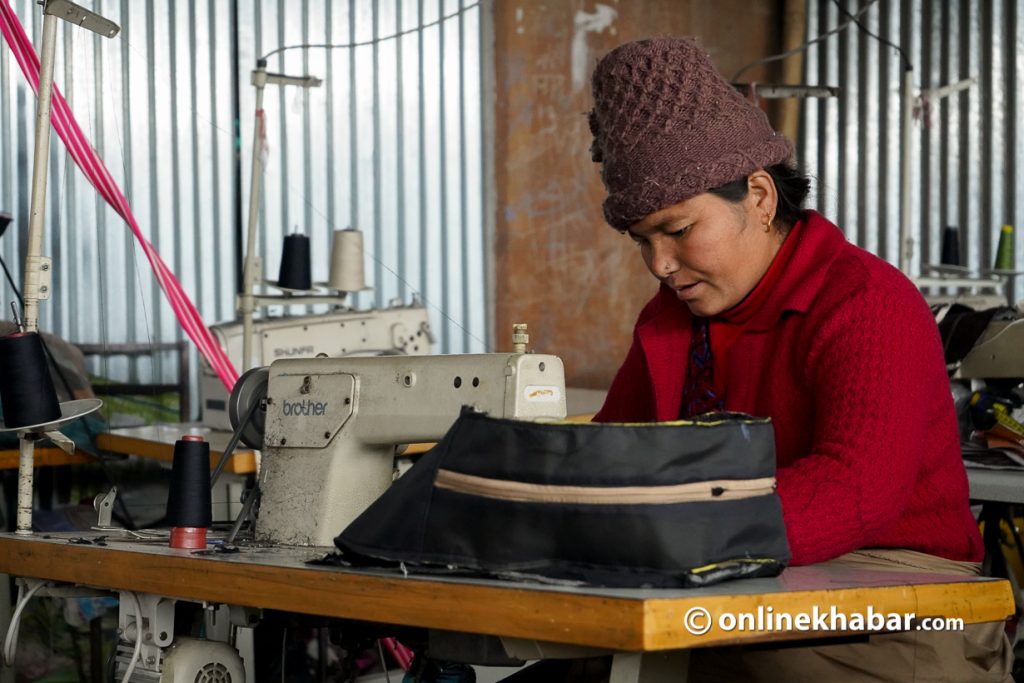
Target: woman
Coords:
[[764, 308]]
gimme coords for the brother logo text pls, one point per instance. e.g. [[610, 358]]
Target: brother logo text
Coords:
[[304, 408]]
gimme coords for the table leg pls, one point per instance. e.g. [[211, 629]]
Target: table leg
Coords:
[[651, 667], [96, 649], [6, 672], [994, 563], [244, 643]]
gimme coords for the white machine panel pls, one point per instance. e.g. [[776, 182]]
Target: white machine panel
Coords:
[[310, 410]]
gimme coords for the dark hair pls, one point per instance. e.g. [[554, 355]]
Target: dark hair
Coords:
[[791, 185]]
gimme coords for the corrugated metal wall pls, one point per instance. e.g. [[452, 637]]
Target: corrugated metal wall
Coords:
[[155, 102], [392, 144], [966, 149]]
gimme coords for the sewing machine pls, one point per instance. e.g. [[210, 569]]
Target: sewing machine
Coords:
[[331, 426], [998, 353], [956, 285], [329, 430], [398, 329]]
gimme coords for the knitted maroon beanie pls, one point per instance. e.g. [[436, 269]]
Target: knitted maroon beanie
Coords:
[[667, 127]]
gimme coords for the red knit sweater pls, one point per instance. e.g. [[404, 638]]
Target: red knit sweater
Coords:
[[845, 358]]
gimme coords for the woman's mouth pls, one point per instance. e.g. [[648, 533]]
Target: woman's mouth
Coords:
[[686, 292]]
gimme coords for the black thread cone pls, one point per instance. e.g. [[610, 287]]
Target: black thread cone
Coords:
[[188, 503], [296, 272], [951, 246], [26, 388]]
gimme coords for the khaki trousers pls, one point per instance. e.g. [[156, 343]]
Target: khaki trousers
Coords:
[[981, 652]]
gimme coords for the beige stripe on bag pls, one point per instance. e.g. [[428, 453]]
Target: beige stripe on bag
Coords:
[[718, 489]]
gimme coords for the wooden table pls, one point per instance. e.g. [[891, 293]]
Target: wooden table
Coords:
[[44, 456], [621, 620], [157, 441]]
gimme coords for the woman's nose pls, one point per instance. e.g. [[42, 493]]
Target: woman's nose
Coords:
[[663, 261]]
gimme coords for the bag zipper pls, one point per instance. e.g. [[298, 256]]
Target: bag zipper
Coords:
[[524, 492]]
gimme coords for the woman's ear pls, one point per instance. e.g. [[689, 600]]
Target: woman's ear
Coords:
[[762, 195]]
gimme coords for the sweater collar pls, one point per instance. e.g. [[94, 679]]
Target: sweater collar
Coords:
[[818, 242]]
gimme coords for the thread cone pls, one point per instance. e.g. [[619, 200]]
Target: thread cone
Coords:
[[951, 246], [1004, 253]]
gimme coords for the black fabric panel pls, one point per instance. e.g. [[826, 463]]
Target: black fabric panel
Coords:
[[612, 455], [427, 528]]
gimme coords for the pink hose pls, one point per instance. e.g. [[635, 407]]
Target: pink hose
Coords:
[[96, 171]]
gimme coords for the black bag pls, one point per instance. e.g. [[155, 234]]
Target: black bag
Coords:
[[672, 504]]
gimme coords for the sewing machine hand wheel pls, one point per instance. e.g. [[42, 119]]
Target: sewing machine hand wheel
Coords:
[[249, 395]]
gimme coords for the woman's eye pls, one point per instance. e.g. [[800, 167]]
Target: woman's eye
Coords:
[[680, 232]]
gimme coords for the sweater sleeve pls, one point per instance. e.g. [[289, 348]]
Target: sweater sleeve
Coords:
[[875, 365], [631, 396]]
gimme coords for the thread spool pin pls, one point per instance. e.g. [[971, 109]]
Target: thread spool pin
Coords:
[[520, 338], [16, 317]]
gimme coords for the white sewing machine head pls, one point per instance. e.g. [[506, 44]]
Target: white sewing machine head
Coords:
[[332, 426], [396, 330]]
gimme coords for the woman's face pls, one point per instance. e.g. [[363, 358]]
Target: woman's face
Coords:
[[712, 252]]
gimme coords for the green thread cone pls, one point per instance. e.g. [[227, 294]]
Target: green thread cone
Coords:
[[1004, 254]]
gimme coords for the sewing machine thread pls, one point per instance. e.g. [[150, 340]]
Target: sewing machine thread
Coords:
[[189, 510], [26, 388], [295, 270]]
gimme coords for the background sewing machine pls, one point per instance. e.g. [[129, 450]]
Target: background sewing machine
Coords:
[[955, 284], [998, 353], [397, 330]]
